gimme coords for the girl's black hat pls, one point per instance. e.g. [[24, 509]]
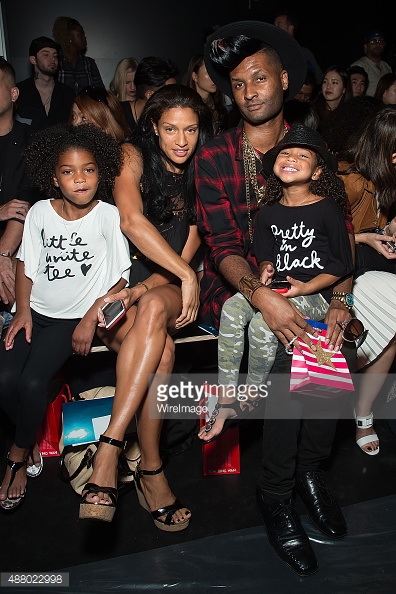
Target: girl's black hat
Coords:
[[300, 135]]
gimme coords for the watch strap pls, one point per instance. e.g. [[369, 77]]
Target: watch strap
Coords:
[[343, 298]]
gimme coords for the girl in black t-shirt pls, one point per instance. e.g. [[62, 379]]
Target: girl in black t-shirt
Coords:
[[300, 237]]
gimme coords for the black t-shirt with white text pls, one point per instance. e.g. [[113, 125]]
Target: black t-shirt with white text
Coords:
[[304, 241]]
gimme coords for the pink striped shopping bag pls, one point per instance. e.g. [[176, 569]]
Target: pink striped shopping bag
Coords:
[[322, 373]]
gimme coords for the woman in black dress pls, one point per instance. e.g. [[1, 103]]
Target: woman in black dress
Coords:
[[155, 194]]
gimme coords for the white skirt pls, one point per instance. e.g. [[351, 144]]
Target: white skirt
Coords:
[[375, 301]]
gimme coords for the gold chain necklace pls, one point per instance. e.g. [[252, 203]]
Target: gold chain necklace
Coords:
[[74, 220], [306, 202], [250, 167]]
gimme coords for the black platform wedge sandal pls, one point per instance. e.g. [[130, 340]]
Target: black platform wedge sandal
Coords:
[[100, 511], [168, 525]]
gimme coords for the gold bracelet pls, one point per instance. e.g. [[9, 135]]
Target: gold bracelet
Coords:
[[248, 284], [143, 285]]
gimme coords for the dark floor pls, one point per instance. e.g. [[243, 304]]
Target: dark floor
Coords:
[[131, 554]]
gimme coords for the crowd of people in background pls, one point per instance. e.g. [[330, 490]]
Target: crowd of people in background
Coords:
[[172, 168]]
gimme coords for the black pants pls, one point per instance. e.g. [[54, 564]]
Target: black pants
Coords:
[[26, 371], [298, 430]]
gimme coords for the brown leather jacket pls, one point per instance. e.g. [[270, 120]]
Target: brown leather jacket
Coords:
[[362, 200]]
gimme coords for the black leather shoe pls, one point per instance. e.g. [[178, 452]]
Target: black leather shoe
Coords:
[[286, 535], [323, 511]]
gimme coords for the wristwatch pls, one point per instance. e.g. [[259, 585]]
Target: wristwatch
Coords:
[[346, 298]]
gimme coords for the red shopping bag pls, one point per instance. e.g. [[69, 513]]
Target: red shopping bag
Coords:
[[49, 434], [221, 456], [322, 373]]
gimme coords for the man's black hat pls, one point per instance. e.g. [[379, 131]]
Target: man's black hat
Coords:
[[283, 43], [40, 42]]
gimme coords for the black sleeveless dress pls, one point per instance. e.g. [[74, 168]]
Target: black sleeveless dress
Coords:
[[175, 232]]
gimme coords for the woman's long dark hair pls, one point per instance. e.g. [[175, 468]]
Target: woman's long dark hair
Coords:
[[155, 178], [371, 155], [219, 109], [320, 103], [347, 121]]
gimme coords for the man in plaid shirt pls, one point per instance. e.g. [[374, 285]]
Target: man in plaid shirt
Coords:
[[260, 66]]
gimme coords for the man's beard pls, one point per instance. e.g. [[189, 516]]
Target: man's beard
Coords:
[[46, 72]]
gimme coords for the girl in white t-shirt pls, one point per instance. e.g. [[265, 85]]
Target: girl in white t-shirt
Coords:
[[72, 255]]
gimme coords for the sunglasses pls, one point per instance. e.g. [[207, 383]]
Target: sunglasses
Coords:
[[353, 331], [96, 93]]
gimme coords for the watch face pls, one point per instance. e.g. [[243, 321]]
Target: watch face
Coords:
[[350, 300]]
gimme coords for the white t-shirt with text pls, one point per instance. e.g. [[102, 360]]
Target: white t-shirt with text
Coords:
[[72, 263]]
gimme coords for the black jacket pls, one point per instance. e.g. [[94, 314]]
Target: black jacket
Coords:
[[15, 182], [29, 105]]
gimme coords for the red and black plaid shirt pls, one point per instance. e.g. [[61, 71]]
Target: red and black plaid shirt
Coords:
[[222, 216]]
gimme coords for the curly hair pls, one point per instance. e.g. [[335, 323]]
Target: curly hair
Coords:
[[327, 185], [154, 178], [117, 83], [47, 145]]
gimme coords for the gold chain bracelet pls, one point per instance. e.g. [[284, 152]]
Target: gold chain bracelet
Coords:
[[143, 285]]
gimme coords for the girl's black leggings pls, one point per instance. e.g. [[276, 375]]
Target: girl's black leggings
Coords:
[[26, 370]]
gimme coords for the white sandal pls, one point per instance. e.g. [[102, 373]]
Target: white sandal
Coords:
[[366, 423]]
